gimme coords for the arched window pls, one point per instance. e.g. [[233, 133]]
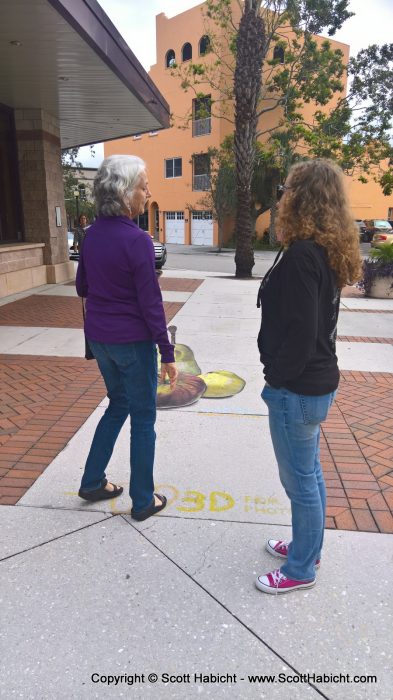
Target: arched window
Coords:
[[170, 58], [186, 52], [278, 54], [204, 45]]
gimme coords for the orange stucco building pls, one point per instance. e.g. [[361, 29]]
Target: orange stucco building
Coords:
[[178, 168]]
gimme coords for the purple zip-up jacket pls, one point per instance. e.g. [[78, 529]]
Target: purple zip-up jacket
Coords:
[[116, 274]]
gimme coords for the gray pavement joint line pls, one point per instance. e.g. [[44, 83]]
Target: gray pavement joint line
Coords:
[[220, 520], [224, 607], [174, 517], [82, 509], [25, 340], [59, 537]]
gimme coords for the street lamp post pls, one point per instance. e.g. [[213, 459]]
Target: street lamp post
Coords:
[[76, 195]]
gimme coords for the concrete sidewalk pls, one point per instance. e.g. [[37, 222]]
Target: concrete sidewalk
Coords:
[[94, 604]]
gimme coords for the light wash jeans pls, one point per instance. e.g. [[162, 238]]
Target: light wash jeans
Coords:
[[130, 374], [294, 422]]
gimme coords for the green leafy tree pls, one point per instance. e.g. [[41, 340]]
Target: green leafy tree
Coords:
[[220, 198], [270, 167], [248, 81], [357, 132], [72, 171], [272, 163]]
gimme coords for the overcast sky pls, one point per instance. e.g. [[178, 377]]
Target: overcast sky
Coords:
[[136, 21]]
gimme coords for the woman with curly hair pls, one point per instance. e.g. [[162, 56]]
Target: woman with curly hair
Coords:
[[300, 297]]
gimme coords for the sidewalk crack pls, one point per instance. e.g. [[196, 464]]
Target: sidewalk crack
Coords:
[[227, 610], [54, 539], [206, 552]]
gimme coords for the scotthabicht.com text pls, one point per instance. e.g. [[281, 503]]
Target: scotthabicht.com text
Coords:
[[231, 678]]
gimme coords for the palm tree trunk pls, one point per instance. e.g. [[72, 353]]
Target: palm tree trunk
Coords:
[[273, 210], [247, 86], [220, 233]]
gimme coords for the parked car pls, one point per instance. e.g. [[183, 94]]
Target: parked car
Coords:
[[160, 254], [377, 226], [362, 230], [381, 237], [73, 255]]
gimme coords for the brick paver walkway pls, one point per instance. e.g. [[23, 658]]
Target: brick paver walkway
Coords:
[[366, 311], [173, 284], [46, 311], [170, 284], [45, 400], [364, 339], [357, 453]]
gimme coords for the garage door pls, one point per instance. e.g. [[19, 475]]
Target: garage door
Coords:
[[202, 228], [174, 227]]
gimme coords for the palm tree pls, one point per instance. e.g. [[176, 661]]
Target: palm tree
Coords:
[[250, 46]]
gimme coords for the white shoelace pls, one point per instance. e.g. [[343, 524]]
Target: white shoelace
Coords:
[[277, 577], [282, 544]]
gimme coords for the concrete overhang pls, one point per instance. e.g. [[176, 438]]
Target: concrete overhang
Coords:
[[68, 59]]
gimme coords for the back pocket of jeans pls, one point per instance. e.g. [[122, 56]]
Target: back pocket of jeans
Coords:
[[315, 408]]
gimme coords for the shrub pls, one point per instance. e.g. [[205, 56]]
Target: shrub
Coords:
[[379, 265]]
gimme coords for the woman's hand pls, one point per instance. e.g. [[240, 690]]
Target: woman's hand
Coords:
[[169, 369]]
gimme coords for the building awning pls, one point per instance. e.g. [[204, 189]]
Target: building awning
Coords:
[[68, 59]]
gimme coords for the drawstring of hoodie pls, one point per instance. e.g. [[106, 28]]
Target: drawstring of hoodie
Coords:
[[266, 277]]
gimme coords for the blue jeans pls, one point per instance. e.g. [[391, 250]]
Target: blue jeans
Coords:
[[130, 374], [294, 422]]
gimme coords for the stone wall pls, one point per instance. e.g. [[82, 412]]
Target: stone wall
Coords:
[[41, 183], [21, 267], [20, 257]]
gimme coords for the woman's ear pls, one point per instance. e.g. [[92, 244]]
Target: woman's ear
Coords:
[[127, 204]]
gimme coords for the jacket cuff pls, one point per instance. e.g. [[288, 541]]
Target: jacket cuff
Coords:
[[168, 355]]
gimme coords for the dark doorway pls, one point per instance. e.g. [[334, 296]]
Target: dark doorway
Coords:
[[143, 220], [10, 210], [154, 221]]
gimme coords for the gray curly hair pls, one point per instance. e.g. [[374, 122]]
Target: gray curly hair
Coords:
[[114, 183]]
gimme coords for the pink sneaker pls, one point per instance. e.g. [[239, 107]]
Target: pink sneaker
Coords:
[[276, 582], [279, 548]]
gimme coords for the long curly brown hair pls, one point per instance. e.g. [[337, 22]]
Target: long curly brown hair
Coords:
[[315, 206]]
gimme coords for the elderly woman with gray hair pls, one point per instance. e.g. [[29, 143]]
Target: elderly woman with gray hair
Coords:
[[125, 320]]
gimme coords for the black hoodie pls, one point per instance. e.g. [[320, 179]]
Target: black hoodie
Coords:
[[300, 303]]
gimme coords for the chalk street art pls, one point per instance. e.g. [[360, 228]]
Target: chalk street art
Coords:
[[193, 501], [192, 384]]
